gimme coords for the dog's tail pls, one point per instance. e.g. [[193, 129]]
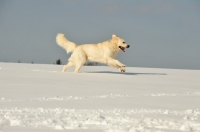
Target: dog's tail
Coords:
[[64, 43]]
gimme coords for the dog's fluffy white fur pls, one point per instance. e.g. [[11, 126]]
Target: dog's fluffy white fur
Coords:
[[104, 52]]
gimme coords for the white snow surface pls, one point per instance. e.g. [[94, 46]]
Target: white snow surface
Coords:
[[36, 97]]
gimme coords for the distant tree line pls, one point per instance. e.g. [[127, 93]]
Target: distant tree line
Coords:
[[59, 62], [22, 62], [89, 63]]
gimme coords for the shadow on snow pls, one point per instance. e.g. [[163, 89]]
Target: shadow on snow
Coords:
[[128, 73]]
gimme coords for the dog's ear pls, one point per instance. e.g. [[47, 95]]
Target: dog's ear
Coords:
[[114, 37]]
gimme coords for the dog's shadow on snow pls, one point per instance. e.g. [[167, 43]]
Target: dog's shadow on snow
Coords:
[[128, 73]]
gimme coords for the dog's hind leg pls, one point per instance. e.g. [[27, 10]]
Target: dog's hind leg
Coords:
[[79, 59], [69, 64], [78, 66], [80, 62]]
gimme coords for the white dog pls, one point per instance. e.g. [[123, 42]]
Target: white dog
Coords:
[[104, 52]]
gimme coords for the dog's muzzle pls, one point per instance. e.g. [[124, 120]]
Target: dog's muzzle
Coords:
[[123, 48]]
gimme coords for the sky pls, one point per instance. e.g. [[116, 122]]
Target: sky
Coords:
[[161, 33]]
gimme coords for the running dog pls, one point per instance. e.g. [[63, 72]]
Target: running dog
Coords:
[[103, 52]]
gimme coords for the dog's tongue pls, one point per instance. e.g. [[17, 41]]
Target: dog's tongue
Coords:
[[123, 49]]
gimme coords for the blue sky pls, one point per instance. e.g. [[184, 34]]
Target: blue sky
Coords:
[[161, 33]]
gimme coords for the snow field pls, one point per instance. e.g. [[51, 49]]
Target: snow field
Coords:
[[108, 120], [116, 119], [42, 98]]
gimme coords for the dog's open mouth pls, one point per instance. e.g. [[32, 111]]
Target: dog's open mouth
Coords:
[[122, 48]]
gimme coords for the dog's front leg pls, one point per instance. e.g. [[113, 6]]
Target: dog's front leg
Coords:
[[121, 69], [116, 64], [120, 64]]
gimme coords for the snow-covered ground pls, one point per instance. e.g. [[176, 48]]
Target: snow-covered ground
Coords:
[[35, 97]]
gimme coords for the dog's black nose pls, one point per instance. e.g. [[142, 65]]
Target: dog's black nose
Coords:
[[127, 46]]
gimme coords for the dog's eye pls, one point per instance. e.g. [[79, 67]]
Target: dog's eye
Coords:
[[124, 42]]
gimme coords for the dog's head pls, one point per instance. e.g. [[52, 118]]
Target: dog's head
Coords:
[[120, 43]]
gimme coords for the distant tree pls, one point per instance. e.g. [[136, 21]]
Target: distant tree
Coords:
[[19, 61], [32, 62], [58, 62]]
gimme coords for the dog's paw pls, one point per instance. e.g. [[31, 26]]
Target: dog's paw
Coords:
[[122, 70], [76, 71]]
